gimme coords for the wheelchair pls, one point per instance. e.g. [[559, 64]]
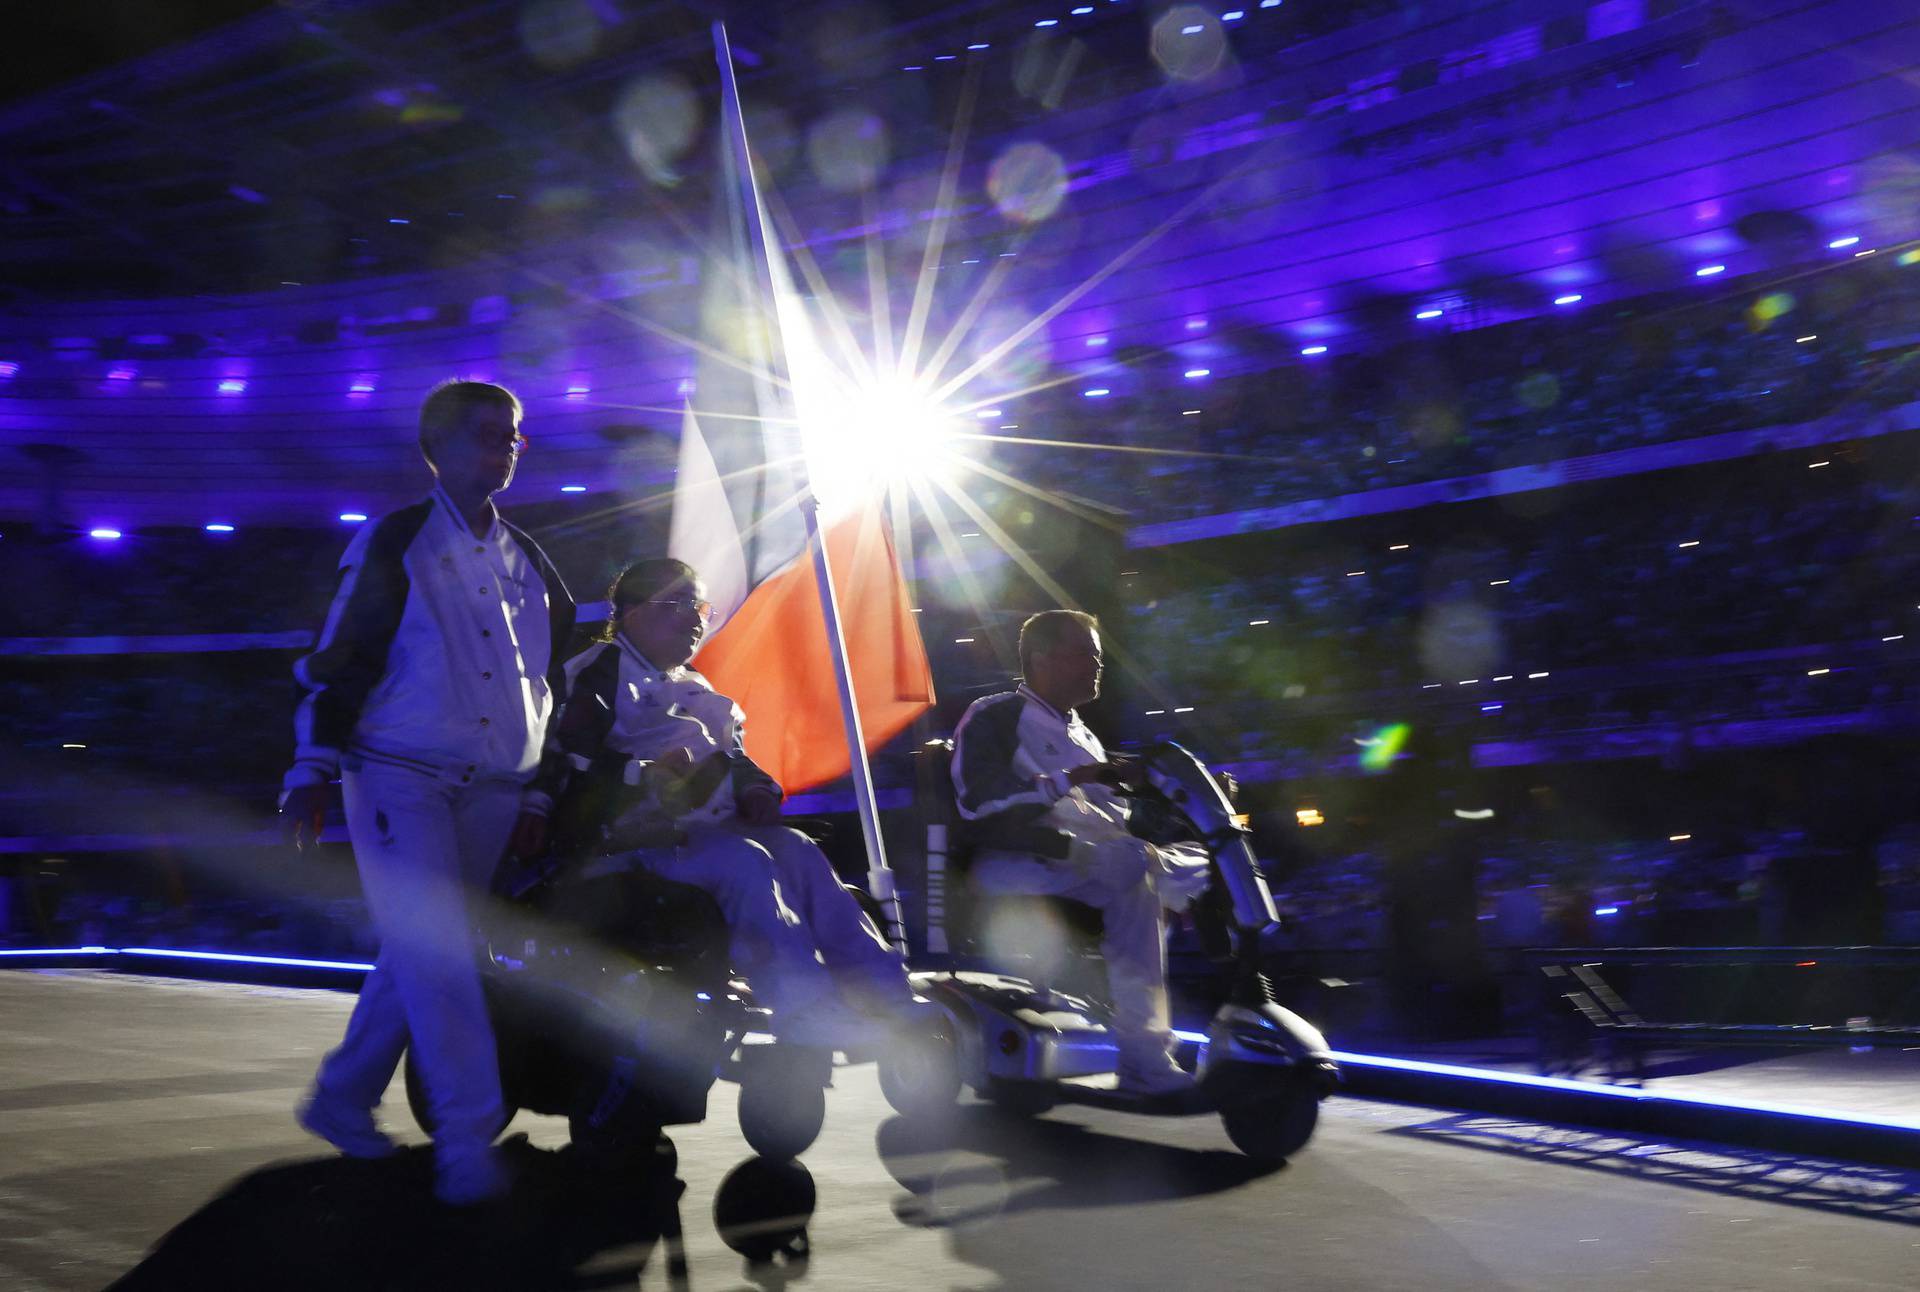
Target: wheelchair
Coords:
[[613, 1006]]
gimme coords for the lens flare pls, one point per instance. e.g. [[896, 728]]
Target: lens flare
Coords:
[[861, 437], [1384, 746], [1027, 182]]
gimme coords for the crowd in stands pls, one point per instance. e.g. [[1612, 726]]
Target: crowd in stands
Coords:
[[1450, 403], [1773, 587], [1712, 594]]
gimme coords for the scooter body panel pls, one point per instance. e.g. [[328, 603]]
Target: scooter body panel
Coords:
[[1008, 1029]]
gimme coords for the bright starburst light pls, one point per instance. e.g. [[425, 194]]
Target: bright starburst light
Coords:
[[887, 387]]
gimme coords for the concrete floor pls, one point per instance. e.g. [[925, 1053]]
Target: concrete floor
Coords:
[[147, 1142]]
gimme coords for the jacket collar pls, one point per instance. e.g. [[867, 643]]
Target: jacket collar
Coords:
[[459, 521], [1033, 697]]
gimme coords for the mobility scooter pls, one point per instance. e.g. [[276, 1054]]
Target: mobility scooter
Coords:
[[1027, 1046]]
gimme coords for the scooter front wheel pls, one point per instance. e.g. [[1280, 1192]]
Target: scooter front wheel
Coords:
[[1272, 1125]]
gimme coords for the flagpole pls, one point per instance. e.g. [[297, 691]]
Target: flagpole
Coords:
[[880, 878]]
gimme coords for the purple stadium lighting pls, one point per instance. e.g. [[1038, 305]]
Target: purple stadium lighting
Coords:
[[394, 219], [1098, 392], [1571, 298], [1269, 4], [985, 413], [1708, 271], [1048, 22], [361, 387], [217, 527], [1085, 8], [1313, 350], [9, 370], [1606, 910], [1233, 15], [579, 392], [104, 535], [1196, 374], [1495, 707], [121, 374], [573, 488], [353, 517], [979, 46], [1095, 342], [1852, 239], [233, 386], [1429, 314]]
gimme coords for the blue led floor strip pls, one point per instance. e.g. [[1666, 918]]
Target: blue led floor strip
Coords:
[[63, 951], [1450, 1071], [236, 958], [1631, 1094], [1600, 1090]]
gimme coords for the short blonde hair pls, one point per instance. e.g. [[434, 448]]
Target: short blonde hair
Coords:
[[447, 405], [1045, 631]]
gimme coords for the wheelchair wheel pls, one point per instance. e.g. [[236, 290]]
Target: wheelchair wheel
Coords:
[[920, 1071], [1273, 1125], [417, 1101], [782, 1109]]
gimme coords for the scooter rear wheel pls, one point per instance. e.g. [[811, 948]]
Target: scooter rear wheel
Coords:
[[920, 1072], [1272, 1125], [422, 1113]]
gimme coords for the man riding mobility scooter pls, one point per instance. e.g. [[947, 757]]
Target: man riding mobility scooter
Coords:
[[1026, 1046]]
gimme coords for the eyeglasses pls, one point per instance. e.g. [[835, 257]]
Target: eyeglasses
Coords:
[[702, 608], [516, 443]]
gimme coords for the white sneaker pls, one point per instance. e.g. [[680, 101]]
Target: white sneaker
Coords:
[[1154, 1076], [468, 1178]]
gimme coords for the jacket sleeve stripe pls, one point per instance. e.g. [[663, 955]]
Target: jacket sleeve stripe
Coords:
[[984, 746], [351, 654]]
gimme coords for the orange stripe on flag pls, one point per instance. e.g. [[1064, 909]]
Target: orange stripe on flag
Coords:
[[772, 657]]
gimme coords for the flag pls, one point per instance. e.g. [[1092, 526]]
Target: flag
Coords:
[[738, 518]]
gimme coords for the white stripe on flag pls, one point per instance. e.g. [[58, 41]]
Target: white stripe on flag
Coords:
[[702, 531]]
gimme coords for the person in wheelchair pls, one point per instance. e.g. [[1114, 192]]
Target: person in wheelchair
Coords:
[[1049, 819], [647, 762]]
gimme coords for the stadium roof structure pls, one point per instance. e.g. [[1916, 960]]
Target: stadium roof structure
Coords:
[[232, 262]]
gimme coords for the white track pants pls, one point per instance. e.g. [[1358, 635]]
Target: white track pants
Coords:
[[852, 947], [1132, 883], [426, 849], [767, 940]]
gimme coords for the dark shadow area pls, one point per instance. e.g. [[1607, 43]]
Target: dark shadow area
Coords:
[[982, 1162], [762, 1210], [1847, 1188], [575, 1220]]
